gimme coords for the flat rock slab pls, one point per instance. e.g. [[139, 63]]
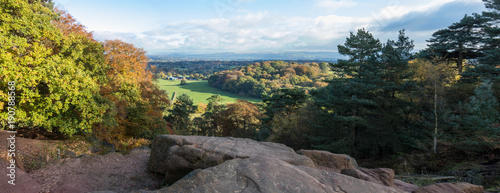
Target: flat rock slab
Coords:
[[384, 176], [175, 155], [262, 174], [330, 161], [461, 187], [23, 182], [112, 172]]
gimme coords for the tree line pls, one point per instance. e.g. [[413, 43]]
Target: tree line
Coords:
[[261, 78]]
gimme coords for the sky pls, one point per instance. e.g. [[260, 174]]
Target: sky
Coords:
[[249, 26]]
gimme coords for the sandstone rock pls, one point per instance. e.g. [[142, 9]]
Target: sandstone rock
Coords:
[[176, 156], [403, 186], [450, 188], [112, 172], [330, 161], [23, 182], [384, 176], [263, 174]]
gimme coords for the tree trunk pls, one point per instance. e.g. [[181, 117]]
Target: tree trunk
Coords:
[[435, 118], [460, 62], [353, 131]]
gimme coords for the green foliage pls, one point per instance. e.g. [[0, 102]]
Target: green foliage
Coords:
[[458, 41], [180, 114], [263, 78], [183, 82], [292, 127], [488, 69], [209, 124], [361, 111], [475, 130], [53, 88]]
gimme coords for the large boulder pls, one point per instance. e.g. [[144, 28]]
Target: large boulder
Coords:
[[330, 161], [263, 174], [175, 156], [384, 176], [461, 187]]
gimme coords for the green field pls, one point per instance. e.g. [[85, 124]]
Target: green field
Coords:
[[199, 91]]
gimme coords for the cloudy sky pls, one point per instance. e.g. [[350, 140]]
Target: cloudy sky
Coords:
[[213, 26]]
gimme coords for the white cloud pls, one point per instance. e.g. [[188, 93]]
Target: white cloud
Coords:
[[334, 4], [265, 31]]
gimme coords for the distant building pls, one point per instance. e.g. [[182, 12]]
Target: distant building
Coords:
[[171, 78]]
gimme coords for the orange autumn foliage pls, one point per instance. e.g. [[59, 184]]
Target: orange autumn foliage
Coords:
[[68, 24]]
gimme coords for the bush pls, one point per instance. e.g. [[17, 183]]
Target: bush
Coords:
[[183, 82]]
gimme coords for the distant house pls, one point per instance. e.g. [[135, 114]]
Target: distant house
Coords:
[[171, 78]]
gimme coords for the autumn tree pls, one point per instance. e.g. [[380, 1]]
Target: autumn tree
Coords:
[[433, 76], [240, 119], [53, 91]]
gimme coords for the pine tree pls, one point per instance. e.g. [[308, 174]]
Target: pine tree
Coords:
[[363, 105], [478, 131], [180, 114], [459, 41], [488, 67]]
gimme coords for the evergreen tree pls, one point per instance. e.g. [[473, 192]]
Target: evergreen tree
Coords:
[[488, 67], [180, 114], [212, 114], [477, 130], [362, 106], [459, 41]]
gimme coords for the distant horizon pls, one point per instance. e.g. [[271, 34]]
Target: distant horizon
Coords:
[[327, 56]]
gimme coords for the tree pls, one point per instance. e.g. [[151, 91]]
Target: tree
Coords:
[[363, 104], [212, 114], [459, 41], [240, 119], [434, 76], [53, 91], [488, 67], [476, 130], [180, 114], [282, 102]]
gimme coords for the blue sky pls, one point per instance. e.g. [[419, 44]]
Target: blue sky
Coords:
[[213, 26]]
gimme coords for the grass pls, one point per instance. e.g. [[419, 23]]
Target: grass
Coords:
[[199, 91]]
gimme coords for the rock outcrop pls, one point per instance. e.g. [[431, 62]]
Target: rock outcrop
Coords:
[[23, 182], [175, 156], [384, 176], [264, 174], [330, 161], [450, 188], [110, 172]]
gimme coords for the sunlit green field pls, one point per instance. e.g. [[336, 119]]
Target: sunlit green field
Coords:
[[199, 91]]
